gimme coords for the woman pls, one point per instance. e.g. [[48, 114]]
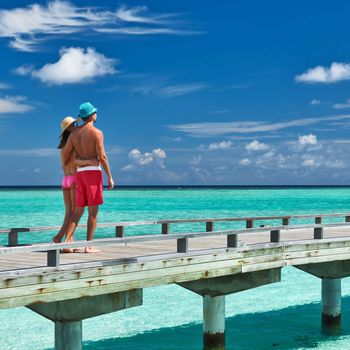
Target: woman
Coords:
[[68, 124]]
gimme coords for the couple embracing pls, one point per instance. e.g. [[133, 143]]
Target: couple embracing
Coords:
[[82, 155]]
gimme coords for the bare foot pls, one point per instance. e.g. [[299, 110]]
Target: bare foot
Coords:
[[56, 240], [91, 250], [67, 250], [78, 250]]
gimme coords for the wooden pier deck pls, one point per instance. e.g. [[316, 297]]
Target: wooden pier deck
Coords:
[[20, 261], [210, 263]]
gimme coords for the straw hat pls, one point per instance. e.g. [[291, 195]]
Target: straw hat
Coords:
[[66, 122]]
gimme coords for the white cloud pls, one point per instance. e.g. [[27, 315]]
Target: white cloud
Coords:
[[220, 145], [139, 159], [178, 90], [342, 105], [309, 163], [14, 104], [28, 27], [4, 86], [75, 65], [35, 152], [336, 72], [256, 146], [159, 88], [243, 127], [308, 139], [315, 102], [245, 161]]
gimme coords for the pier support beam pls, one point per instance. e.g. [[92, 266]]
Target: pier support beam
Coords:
[[68, 335], [331, 274], [68, 314], [331, 301], [213, 322], [213, 291]]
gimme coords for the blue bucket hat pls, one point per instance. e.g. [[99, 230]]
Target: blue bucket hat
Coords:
[[86, 109]]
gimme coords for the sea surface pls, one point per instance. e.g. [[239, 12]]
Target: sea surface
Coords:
[[283, 315]]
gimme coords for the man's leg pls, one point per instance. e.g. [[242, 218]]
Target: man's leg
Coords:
[[91, 226]]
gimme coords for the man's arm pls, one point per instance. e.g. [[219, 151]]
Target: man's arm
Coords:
[[102, 157], [67, 151]]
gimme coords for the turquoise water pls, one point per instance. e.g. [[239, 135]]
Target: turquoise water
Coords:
[[284, 315]]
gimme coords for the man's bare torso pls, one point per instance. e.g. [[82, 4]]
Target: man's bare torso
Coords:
[[84, 141]]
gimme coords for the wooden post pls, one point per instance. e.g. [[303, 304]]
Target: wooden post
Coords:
[[232, 241], [275, 236], [249, 224], [285, 221], [53, 258], [214, 322], [13, 238], [318, 232], [13, 235], [347, 218], [165, 228], [318, 220], [182, 245], [209, 226], [119, 231]]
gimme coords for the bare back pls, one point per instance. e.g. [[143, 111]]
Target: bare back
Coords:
[[85, 140]]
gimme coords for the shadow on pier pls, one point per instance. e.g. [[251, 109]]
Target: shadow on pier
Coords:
[[291, 328]]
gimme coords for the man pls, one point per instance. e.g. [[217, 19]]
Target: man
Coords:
[[87, 142]]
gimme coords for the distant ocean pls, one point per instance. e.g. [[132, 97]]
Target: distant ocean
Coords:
[[283, 315]]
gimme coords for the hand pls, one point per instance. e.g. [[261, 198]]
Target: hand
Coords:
[[110, 184]]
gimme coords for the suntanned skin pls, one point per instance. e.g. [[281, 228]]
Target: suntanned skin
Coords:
[[87, 142]]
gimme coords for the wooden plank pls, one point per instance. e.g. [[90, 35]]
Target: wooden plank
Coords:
[[77, 293], [155, 274]]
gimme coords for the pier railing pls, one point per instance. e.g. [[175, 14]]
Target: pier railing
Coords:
[[53, 249]]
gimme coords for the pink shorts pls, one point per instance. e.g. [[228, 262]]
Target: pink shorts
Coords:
[[68, 181], [89, 188]]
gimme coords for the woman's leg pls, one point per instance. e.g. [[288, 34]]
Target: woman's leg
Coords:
[[70, 218], [67, 203]]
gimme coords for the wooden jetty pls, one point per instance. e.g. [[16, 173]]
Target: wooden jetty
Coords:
[[68, 288]]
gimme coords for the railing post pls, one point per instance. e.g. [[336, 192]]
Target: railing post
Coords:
[[182, 245], [249, 224], [318, 220], [165, 228], [13, 235], [13, 238], [209, 226], [119, 231], [275, 236], [53, 258], [347, 218], [232, 241], [285, 221], [318, 232]]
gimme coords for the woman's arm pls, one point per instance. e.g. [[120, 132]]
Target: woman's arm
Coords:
[[86, 162]]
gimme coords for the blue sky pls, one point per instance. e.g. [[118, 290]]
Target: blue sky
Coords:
[[188, 92]]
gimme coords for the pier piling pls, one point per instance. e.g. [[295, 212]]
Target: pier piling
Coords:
[[214, 322], [331, 301], [68, 335]]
